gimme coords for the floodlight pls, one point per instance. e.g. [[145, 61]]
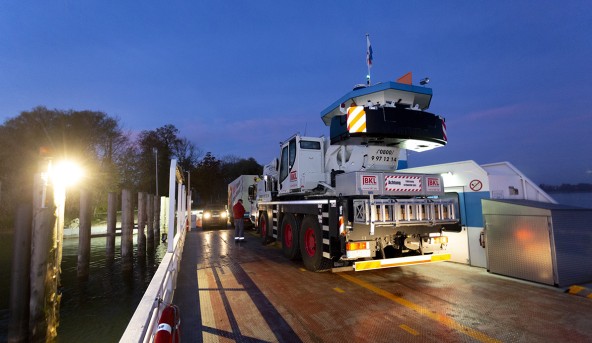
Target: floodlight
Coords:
[[66, 173]]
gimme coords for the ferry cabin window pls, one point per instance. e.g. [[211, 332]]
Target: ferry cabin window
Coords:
[[311, 145]]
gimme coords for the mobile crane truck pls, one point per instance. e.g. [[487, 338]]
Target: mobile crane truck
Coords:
[[338, 203]]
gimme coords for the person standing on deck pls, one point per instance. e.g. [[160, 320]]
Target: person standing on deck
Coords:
[[239, 226]]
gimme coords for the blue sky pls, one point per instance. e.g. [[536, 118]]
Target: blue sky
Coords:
[[512, 78]]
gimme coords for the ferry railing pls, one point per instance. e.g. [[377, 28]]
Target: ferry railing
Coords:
[[161, 289], [158, 295]]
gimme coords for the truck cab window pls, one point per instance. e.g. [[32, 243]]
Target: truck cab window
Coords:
[[284, 164], [292, 152]]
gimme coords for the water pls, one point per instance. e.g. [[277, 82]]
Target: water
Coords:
[[95, 310], [575, 199]]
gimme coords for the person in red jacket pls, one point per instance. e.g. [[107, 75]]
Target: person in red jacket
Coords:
[[239, 226]]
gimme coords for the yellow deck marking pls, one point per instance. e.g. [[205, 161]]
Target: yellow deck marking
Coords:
[[338, 290], [408, 329], [576, 289], [442, 319]]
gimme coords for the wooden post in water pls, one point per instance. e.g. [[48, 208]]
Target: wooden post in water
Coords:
[[150, 222], [156, 219], [84, 233], [44, 274], [127, 222], [141, 223], [18, 325], [111, 223]]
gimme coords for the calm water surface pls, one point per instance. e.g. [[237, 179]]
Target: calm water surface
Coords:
[[93, 310], [574, 199]]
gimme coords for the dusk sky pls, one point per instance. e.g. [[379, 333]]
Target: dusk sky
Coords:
[[512, 78]]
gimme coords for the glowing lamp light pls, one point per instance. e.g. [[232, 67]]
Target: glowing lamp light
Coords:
[[66, 173]]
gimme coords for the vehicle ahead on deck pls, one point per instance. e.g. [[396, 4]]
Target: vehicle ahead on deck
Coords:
[[215, 216]]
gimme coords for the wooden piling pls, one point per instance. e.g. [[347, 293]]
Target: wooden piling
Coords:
[[44, 273], [84, 233], [156, 220], [150, 222], [127, 221], [18, 325], [111, 223], [141, 223]]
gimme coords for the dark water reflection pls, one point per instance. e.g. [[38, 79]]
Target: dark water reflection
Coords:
[[97, 309]]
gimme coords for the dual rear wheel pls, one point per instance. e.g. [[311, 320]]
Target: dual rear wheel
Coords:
[[311, 245], [299, 239]]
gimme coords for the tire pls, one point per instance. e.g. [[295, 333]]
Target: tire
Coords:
[[264, 229], [311, 245], [290, 237]]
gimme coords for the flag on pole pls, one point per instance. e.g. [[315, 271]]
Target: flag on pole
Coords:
[[368, 52]]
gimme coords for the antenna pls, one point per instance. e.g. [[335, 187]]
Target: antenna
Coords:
[[369, 58], [305, 124]]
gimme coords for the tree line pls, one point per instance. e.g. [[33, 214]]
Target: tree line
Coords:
[[112, 158], [567, 188]]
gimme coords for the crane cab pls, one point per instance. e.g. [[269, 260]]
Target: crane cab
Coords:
[[301, 165]]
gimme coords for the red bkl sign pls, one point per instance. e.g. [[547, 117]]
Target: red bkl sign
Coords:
[[369, 180], [293, 176]]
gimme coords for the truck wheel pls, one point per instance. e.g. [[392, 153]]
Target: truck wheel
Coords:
[[264, 228], [290, 238], [311, 245]]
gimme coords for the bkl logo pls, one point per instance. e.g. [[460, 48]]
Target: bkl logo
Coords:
[[369, 180], [293, 176], [433, 182]]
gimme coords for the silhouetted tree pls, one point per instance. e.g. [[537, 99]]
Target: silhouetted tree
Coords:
[[165, 144], [234, 167], [90, 138]]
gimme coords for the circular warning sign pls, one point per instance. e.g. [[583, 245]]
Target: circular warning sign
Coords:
[[476, 185]]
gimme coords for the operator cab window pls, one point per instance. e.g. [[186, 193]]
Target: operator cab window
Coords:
[[311, 145]]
